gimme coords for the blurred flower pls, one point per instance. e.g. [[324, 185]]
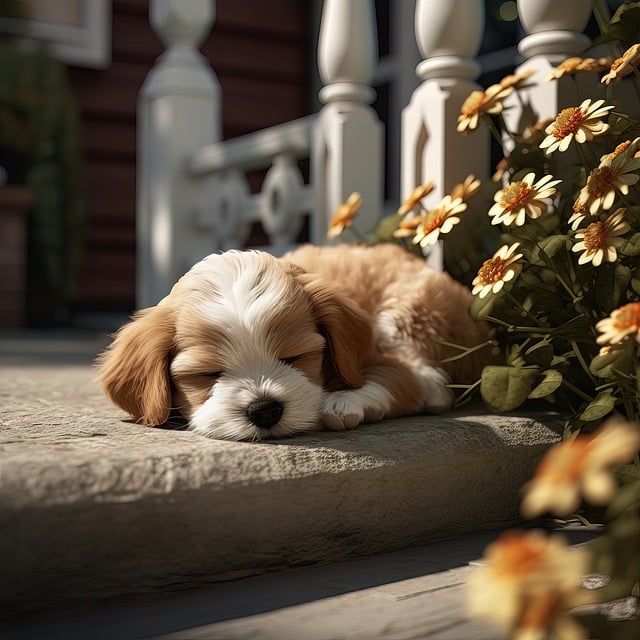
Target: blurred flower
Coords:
[[344, 215], [528, 583], [439, 220], [613, 173], [571, 66], [623, 65], [622, 322], [514, 80], [522, 198], [580, 467], [600, 239], [582, 123], [464, 190], [502, 267], [481, 102], [408, 226], [414, 199]]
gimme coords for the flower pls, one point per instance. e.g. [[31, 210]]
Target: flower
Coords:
[[522, 198], [481, 102], [439, 220], [613, 173], [623, 322], [570, 66], [624, 65], [580, 467], [344, 215], [582, 123], [514, 80], [527, 584], [464, 190], [502, 267], [600, 239], [580, 212], [421, 191], [408, 226]]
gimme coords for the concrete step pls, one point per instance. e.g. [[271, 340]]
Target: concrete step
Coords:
[[94, 506]]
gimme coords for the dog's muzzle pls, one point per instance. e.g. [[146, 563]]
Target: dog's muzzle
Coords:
[[264, 414]]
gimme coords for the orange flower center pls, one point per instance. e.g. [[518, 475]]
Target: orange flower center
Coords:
[[594, 236], [517, 556], [616, 63], [627, 317], [491, 270], [601, 180], [434, 221], [568, 121], [514, 195]]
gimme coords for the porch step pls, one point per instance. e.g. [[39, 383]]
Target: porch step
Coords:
[[94, 506]]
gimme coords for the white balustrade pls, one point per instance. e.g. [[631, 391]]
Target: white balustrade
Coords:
[[448, 33], [347, 150], [178, 111]]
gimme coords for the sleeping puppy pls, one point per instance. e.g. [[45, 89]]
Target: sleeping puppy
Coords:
[[247, 346]]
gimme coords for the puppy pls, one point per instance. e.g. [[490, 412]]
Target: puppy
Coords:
[[247, 346]]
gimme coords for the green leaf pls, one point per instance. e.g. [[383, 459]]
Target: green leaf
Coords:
[[610, 365], [551, 381], [599, 407], [540, 354], [631, 246], [549, 246], [481, 308], [623, 27], [506, 388]]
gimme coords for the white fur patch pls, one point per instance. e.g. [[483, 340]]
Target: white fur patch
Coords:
[[347, 409], [224, 414], [438, 398]]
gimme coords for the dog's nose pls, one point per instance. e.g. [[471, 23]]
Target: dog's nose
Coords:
[[265, 413]]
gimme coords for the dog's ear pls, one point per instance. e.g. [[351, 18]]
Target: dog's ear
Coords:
[[134, 370], [345, 325]]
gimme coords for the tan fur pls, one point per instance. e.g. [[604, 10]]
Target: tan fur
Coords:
[[381, 311]]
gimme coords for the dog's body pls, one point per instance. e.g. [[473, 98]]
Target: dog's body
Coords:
[[248, 346]]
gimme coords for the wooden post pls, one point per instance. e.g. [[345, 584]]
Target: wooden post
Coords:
[[448, 33], [347, 146], [179, 110]]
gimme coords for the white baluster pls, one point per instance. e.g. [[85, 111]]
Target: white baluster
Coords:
[[448, 33], [554, 29], [230, 206], [282, 202], [179, 111], [347, 147]]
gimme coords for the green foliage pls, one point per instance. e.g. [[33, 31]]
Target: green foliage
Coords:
[[39, 136]]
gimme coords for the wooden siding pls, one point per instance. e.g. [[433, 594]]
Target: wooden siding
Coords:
[[259, 50]]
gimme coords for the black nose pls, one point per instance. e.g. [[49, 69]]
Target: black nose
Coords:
[[265, 413]]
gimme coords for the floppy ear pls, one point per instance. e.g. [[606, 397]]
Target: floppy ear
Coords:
[[346, 327], [134, 370]]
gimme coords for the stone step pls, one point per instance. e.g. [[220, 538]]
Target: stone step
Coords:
[[93, 506]]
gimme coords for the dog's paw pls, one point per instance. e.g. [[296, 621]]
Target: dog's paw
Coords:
[[347, 409], [438, 398]]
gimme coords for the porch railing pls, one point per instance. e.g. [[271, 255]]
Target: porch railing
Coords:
[[193, 195]]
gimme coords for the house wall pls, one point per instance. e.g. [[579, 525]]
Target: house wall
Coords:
[[260, 52]]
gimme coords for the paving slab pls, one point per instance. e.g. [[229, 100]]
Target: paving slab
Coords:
[[92, 505]]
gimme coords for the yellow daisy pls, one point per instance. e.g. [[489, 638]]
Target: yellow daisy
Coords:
[[614, 173], [599, 240], [527, 583], [580, 123], [494, 273], [580, 212], [344, 215], [522, 198], [439, 220], [571, 66], [415, 198], [580, 467], [624, 65], [481, 102], [464, 190], [514, 80], [622, 322]]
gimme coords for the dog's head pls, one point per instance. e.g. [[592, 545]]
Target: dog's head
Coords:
[[244, 346]]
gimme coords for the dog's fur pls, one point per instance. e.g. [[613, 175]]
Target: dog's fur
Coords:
[[247, 346]]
